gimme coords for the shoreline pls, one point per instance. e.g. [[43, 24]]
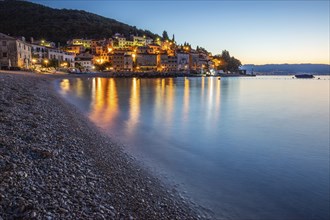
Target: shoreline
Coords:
[[56, 164]]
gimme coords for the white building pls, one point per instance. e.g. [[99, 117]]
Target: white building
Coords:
[[85, 61], [61, 56], [38, 53], [182, 61]]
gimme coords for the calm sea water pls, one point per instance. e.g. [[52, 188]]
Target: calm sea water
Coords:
[[246, 148]]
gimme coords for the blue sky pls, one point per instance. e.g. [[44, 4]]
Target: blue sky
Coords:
[[256, 32]]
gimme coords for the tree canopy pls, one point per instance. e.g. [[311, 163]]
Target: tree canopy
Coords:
[[165, 35], [22, 18], [227, 63]]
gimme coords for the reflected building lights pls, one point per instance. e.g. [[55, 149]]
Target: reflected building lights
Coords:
[[186, 97], [170, 96], [80, 88], [210, 92], [104, 102], [65, 86], [134, 106], [202, 90], [159, 94], [217, 100]]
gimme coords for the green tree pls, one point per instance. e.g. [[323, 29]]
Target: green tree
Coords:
[[227, 63], [78, 66], [234, 64], [165, 35]]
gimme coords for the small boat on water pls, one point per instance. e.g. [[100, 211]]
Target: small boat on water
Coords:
[[304, 76]]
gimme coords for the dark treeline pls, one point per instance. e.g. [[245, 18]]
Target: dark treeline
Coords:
[[22, 18]]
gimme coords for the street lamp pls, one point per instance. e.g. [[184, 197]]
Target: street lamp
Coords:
[[34, 63], [46, 62]]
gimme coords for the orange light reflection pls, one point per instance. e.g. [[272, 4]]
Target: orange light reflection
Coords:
[[104, 102], [134, 109]]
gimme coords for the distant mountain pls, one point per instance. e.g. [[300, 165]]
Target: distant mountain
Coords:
[[285, 69], [22, 18]]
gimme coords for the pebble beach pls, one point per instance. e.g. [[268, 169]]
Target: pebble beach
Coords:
[[55, 164]]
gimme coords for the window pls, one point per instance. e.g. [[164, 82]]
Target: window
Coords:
[[4, 43], [4, 54]]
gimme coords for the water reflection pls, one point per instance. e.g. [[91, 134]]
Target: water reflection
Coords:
[[104, 103], [185, 110], [134, 107], [246, 148], [65, 86]]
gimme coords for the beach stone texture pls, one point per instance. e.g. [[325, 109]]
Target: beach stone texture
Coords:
[[54, 164]]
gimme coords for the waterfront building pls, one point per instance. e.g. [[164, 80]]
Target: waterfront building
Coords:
[[171, 63], [14, 52], [84, 61], [163, 62], [182, 61], [117, 60], [61, 56], [102, 57], [38, 53], [128, 61], [146, 62], [194, 60]]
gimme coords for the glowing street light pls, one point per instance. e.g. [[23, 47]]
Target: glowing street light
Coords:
[[46, 62]]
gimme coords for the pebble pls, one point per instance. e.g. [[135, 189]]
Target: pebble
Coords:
[[53, 158]]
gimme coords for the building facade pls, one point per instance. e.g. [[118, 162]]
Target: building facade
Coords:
[[61, 56], [182, 61], [14, 52], [84, 62]]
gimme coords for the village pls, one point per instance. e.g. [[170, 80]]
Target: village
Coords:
[[115, 54]]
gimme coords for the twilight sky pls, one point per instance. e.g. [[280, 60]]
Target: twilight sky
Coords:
[[256, 32]]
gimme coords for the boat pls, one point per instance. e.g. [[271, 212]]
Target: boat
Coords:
[[304, 76]]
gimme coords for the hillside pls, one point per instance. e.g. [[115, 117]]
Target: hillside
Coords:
[[284, 69], [21, 18]]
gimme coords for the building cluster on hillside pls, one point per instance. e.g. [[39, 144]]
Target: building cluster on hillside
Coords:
[[118, 53]]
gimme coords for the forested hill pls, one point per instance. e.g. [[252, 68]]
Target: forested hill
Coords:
[[284, 69], [22, 18]]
